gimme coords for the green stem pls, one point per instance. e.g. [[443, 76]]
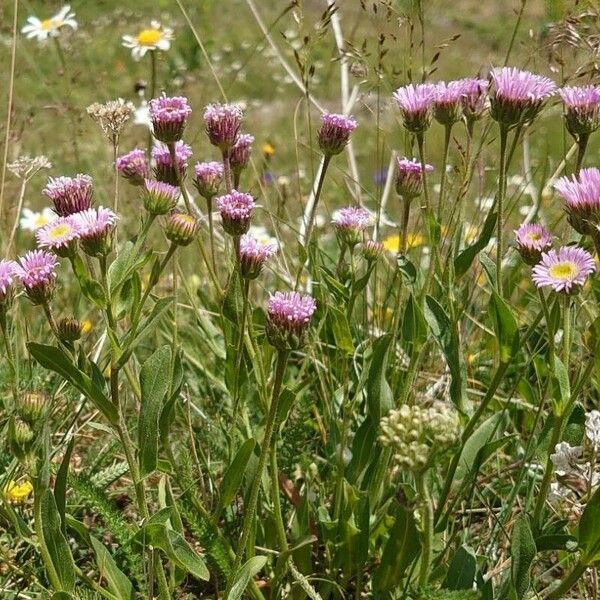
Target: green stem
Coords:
[[568, 582], [152, 93], [582, 142], [559, 418], [313, 212], [277, 513], [447, 134], [240, 348], [211, 232], [250, 511], [500, 207], [427, 528], [10, 358]]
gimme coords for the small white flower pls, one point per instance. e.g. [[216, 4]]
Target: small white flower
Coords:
[[565, 458], [156, 37], [32, 221], [592, 428], [42, 30], [485, 202], [142, 115], [261, 235], [558, 493]]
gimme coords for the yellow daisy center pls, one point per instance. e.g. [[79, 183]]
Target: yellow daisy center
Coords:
[[17, 492], [86, 326], [563, 270], [41, 220], [48, 24], [60, 231], [533, 236], [149, 37]]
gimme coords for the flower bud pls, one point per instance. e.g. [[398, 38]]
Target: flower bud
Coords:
[[288, 317], [181, 228], [159, 198], [69, 329], [32, 406]]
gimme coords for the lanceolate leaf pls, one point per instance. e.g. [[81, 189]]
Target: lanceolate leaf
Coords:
[[379, 394], [55, 543], [154, 384], [118, 583], [243, 577], [235, 472], [465, 259], [522, 551], [56, 360]]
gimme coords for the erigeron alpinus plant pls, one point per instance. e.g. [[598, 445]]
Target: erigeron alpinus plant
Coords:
[[393, 465]]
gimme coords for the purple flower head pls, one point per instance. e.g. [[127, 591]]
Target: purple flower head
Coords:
[[532, 240], [240, 153], [335, 133], [60, 236], [236, 210], [474, 97], [8, 272], [159, 197], [372, 250], [223, 122], [409, 177], [37, 272], [518, 96], [581, 194], [416, 105], [181, 228], [254, 254], [349, 224], [69, 194], [564, 270], [95, 226], [209, 176], [582, 109], [164, 170], [169, 116], [288, 318], [133, 166], [447, 103]]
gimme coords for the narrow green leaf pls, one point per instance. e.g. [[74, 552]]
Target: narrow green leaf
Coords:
[[522, 551], [56, 543], [154, 386], [341, 330], [60, 486], [55, 359], [379, 393], [463, 262], [506, 328], [235, 473], [589, 532], [176, 549], [243, 577], [118, 583]]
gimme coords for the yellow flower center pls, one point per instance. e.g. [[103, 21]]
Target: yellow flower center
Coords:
[[564, 270], [48, 24], [60, 231], [86, 326], [533, 236], [149, 37]]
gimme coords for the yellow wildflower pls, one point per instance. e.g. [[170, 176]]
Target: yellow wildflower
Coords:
[[86, 326], [17, 493], [413, 240], [268, 149]]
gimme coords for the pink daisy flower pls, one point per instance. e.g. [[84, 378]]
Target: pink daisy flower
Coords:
[[254, 254], [60, 236], [288, 317], [169, 116], [133, 166], [37, 272], [236, 210], [223, 122], [416, 105], [95, 226], [335, 133], [409, 177], [69, 194], [582, 108], [532, 239], [209, 176], [564, 270], [581, 194]]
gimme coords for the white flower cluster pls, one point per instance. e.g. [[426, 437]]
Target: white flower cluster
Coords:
[[417, 434]]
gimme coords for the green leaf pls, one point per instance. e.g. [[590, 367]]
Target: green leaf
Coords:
[[522, 551], [61, 596], [244, 576], [60, 486], [147, 326], [118, 583], [407, 269], [464, 260], [56, 544], [589, 531], [90, 288], [506, 328], [401, 549], [448, 337], [233, 299], [563, 387], [414, 326], [154, 385], [55, 359], [379, 393], [462, 570], [341, 330], [235, 473], [484, 434], [176, 549]]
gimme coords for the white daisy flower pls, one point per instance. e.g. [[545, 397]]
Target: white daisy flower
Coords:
[[156, 37], [32, 221], [261, 235], [142, 115], [42, 30]]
